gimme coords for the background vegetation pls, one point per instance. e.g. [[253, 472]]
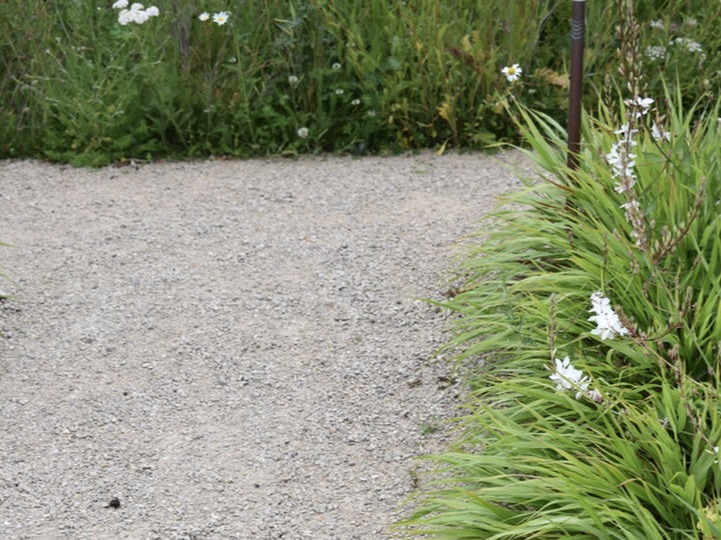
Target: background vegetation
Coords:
[[77, 86]]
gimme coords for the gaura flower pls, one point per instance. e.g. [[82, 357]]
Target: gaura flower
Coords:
[[204, 16], [568, 377], [221, 17], [639, 105], [303, 132], [608, 323], [512, 73], [658, 134]]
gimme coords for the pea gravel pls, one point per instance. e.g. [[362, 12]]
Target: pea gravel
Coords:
[[227, 349]]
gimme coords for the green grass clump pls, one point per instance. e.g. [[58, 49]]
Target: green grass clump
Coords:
[[296, 76], [628, 446]]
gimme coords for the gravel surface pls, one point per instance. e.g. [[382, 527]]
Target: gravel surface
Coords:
[[227, 349]]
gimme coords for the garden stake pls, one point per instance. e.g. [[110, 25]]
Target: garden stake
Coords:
[[576, 83]]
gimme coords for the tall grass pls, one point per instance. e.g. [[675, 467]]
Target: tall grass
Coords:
[[76, 86], [638, 457]]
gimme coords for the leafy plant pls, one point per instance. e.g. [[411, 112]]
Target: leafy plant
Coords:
[[626, 446]]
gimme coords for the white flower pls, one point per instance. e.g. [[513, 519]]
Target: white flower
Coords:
[[512, 73], [371, 113], [641, 105], [120, 4], [221, 17], [689, 44], [656, 52], [658, 24], [568, 377], [292, 79], [336, 66], [136, 14], [622, 164], [659, 134], [124, 17], [355, 102], [303, 133], [140, 16], [608, 323], [204, 16], [339, 92], [632, 204]]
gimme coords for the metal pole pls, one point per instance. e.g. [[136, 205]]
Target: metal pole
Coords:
[[578, 24]]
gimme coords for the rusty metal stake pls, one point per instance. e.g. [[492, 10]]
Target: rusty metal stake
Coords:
[[578, 26]]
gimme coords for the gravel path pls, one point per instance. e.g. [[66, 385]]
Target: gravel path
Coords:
[[227, 349]]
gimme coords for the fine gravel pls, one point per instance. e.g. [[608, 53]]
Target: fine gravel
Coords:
[[228, 349]]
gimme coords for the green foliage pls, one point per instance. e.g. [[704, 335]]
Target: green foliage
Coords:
[[77, 86], [638, 456]]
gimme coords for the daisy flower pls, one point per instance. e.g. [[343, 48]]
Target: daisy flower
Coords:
[[512, 73], [221, 18]]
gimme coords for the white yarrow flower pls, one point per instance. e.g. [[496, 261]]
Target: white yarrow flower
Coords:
[[689, 44], [356, 102], [152, 11], [303, 132], [656, 52], [292, 79], [124, 17], [606, 319], [512, 73], [120, 4], [204, 16]]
